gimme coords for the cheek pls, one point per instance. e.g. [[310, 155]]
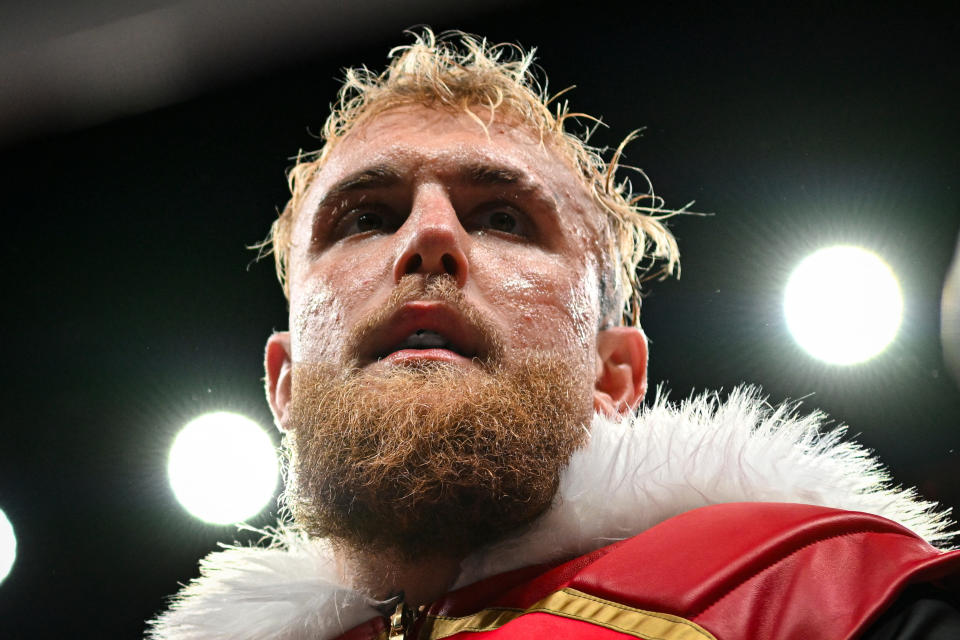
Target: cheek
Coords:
[[316, 322], [547, 302], [583, 308], [324, 304]]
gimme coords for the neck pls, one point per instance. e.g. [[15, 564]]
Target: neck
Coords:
[[384, 575]]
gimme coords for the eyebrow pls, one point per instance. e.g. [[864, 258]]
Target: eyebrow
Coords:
[[386, 175], [485, 174], [377, 176]]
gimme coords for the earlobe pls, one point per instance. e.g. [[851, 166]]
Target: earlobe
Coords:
[[277, 363], [621, 379]]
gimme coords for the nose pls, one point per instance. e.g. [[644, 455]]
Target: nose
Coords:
[[434, 239]]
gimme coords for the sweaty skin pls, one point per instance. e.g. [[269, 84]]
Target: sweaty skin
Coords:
[[536, 282], [423, 193]]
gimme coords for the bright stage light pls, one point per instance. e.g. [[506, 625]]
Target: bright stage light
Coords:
[[843, 305], [8, 546], [223, 468]]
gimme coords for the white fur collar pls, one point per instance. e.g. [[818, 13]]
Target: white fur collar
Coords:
[[632, 475]]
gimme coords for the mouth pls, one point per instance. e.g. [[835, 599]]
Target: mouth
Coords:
[[422, 331], [423, 339]]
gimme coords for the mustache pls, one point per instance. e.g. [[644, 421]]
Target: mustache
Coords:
[[435, 288]]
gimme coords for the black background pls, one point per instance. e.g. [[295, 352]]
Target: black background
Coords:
[[132, 305]]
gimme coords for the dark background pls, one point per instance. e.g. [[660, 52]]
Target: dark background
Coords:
[[139, 161]]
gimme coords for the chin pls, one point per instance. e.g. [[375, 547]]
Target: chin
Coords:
[[428, 457]]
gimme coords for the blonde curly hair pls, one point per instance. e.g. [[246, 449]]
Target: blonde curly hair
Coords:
[[459, 72]]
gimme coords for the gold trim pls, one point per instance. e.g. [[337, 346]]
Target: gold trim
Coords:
[[570, 603]]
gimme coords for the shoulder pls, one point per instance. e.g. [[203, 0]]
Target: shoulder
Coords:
[[770, 569], [737, 570]]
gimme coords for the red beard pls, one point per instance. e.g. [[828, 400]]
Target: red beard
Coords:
[[433, 458]]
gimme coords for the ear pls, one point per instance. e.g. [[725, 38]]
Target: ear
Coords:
[[277, 363], [621, 370]]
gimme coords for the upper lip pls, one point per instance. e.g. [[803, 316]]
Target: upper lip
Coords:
[[462, 337]]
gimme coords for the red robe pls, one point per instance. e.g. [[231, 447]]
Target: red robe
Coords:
[[739, 571]]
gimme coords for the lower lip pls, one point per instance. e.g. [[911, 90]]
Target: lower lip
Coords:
[[409, 356]]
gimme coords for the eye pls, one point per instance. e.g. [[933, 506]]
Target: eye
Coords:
[[368, 222], [502, 221], [501, 218], [365, 220]]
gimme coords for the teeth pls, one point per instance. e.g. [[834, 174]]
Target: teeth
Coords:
[[424, 339]]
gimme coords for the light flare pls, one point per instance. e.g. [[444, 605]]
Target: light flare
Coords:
[[223, 468], [843, 305], [8, 546]]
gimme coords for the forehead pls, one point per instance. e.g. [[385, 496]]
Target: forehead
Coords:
[[423, 143], [424, 134]]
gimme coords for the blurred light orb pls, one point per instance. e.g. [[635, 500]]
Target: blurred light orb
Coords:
[[8, 546], [223, 468], [843, 305]]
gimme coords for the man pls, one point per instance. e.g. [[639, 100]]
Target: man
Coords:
[[459, 399]]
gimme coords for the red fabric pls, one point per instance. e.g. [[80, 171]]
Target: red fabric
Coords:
[[544, 625], [753, 571], [517, 589], [761, 571]]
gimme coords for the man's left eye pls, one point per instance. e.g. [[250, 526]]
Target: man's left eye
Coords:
[[502, 219], [368, 222]]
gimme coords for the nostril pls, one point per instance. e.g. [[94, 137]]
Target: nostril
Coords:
[[414, 264], [449, 264]]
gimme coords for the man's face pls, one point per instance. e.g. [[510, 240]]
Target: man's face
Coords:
[[434, 268], [424, 192]]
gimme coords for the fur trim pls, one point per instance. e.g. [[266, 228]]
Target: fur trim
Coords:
[[289, 590], [671, 459], [632, 475]]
